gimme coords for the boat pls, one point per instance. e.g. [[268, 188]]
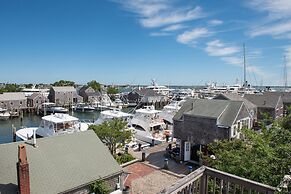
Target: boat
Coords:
[[107, 115], [4, 114], [51, 108], [163, 90], [119, 103], [170, 110], [82, 107], [54, 124], [149, 127], [104, 104]]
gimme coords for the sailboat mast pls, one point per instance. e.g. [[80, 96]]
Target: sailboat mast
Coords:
[[285, 73], [244, 49]]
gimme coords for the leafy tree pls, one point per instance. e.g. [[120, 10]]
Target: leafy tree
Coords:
[[95, 85], [10, 88], [264, 157], [64, 83], [112, 133], [99, 187], [112, 90]]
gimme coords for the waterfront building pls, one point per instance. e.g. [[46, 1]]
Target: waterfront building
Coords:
[[59, 164], [90, 95], [202, 121], [64, 95], [13, 101], [36, 100]]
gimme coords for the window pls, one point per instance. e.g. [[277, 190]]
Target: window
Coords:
[[20, 102]]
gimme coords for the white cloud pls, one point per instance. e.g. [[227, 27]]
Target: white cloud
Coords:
[[159, 34], [288, 55], [233, 60], [172, 17], [218, 48], [215, 22], [158, 13], [277, 30], [174, 27], [189, 37]]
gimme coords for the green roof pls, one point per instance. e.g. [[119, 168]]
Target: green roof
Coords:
[[59, 163], [225, 111]]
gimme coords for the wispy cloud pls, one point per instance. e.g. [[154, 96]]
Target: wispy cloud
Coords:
[[158, 13], [218, 48], [215, 22], [174, 27], [277, 22], [159, 34], [189, 37]]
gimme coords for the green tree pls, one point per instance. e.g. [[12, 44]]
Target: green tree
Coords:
[[264, 157], [10, 88], [64, 83], [112, 90], [95, 85], [99, 187], [112, 133]]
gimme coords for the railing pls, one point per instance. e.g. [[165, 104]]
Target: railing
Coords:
[[208, 180]]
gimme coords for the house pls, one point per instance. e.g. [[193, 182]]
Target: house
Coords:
[[267, 103], [146, 96], [36, 99], [13, 101], [90, 95], [64, 95], [236, 97], [59, 164], [286, 99], [202, 121]]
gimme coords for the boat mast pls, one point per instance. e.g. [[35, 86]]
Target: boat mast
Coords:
[[285, 73], [244, 49]]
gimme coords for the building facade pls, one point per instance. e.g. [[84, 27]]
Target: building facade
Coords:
[[64, 96], [36, 100], [13, 101]]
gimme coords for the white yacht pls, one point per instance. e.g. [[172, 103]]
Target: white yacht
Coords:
[[4, 114], [149, 126], [104, 103], [159, 89], [112, 114], [82, 107], [54, 124], [170, 110], [51, 108]]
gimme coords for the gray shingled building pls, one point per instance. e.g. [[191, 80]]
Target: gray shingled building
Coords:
[[236, 97], [267, 103], [36, 99], [13, 101], [201, 121], [64, 95], [59, 164], [90, 95]]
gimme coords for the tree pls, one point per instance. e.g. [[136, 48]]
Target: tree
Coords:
[[95, 85], [112, 133], [10, 88], [112, 90], [99, 187], [64, 83], [264, 157]]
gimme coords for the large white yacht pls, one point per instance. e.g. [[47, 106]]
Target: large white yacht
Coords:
[[4, 114], [149, 126], [159, 89], [54, 124], [107, 115]]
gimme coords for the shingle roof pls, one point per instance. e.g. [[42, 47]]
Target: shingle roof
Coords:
[[269, 99], [236, 97], [64, 89], [225, 111], [58, 163], [12, 96], [147, 92]]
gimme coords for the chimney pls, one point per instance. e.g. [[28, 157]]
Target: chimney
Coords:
[[23, 171]]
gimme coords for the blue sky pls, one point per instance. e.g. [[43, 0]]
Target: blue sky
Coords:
[[184, 42]]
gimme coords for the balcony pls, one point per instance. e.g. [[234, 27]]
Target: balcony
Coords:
[[208, 180]]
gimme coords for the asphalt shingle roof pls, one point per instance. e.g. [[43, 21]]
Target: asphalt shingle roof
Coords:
[[268, 99], [64, 89], [12, 96], [58, 163], [225, 111]]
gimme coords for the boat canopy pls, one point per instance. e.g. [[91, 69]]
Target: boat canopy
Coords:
[[116, 113], [59, 118]]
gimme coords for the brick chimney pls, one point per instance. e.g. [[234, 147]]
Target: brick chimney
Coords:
[[23, 171]]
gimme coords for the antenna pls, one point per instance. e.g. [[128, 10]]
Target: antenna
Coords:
[[285, 81]]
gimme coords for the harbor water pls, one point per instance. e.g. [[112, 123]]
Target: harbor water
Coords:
[[33, 120]]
